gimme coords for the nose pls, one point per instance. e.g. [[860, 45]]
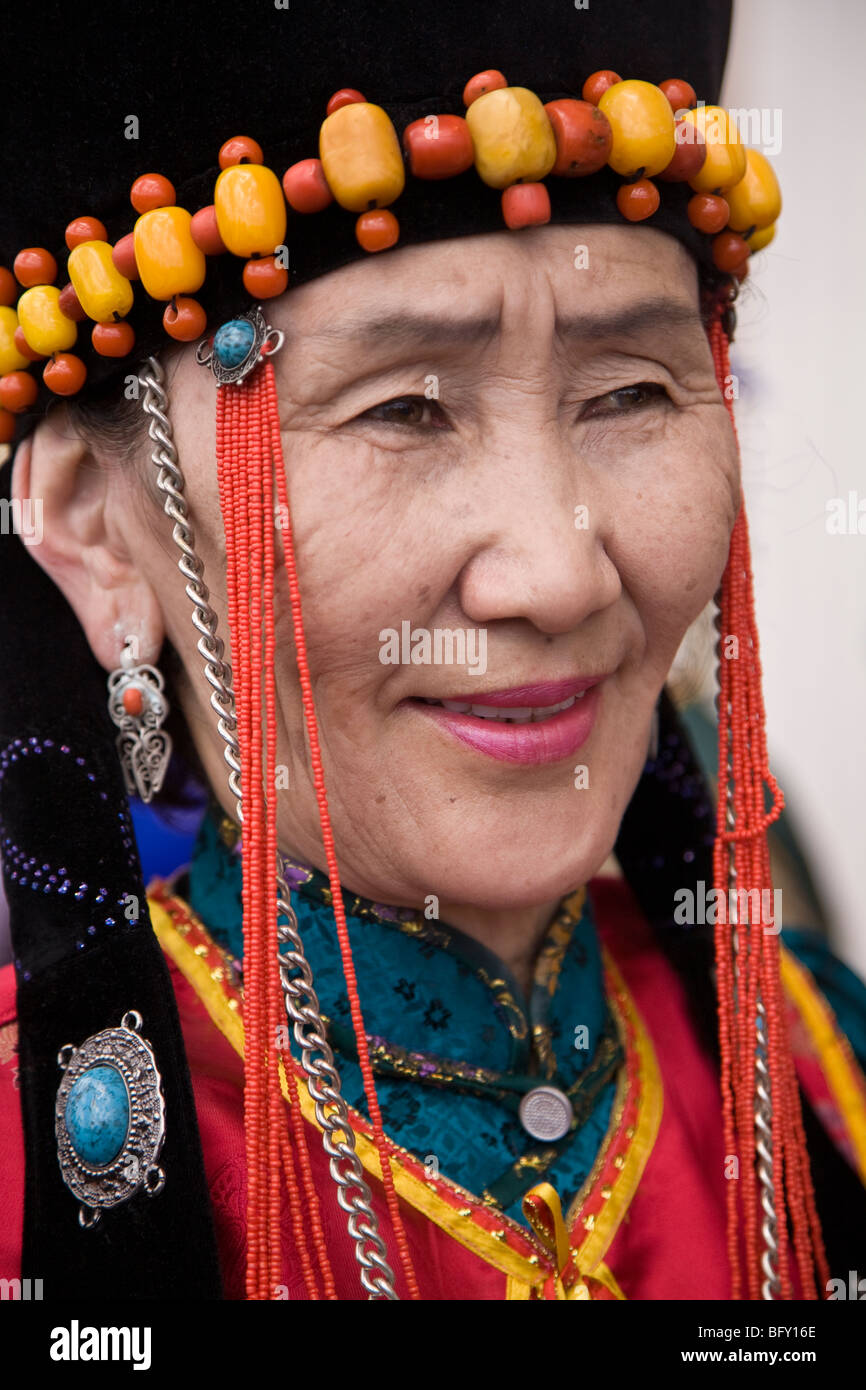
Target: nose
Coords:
[[541, 546]]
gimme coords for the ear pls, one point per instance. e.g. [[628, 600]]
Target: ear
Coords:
[[81, 541]]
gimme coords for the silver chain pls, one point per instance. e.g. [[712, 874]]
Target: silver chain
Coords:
[[296, 978], [763, 1114]]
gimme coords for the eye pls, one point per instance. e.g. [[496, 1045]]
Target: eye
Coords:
[[411, 411], [624, 400]]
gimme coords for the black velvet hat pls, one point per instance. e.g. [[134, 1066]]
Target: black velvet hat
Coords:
[[104, 93]]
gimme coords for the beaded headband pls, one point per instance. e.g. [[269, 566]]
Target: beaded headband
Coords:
[[640, 130]]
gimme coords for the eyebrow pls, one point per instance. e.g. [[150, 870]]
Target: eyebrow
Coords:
[[406, 328]]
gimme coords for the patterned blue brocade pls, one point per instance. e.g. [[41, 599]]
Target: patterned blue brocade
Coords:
[[454, 1042]]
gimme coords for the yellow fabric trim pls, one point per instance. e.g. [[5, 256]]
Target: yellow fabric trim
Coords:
[[197, 971], [521, 1270], [832, 1049], [605, 1276], [595, 1244]]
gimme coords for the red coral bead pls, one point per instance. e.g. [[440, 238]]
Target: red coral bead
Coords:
[[241, 149], [18, 391], [123, 256], [152, 191], [489, 81], [708, 212], [526, 205], [7, 426], [85, 229], [132, 701], [306, 187], [264, 279], [8, 287], [597, 84], [65, 374], [346, 96], [689, 155], [680, 94], [24, 347], [583, 137], [638, 200], [113, 339], [205, 232], [184, 319], [70, 305], [35, 266], [729, 251], [438, 147], [377, 230]]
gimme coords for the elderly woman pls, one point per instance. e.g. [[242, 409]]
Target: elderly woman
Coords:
[[444, 513]]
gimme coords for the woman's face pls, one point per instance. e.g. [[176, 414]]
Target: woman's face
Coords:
[[503, 440]]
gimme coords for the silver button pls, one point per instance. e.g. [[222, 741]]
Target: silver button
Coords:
[[546, 1113]]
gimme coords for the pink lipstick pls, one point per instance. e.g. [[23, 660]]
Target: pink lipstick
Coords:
[[533, 724]]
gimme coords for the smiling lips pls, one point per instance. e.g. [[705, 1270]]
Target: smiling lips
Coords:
[[528, 724]]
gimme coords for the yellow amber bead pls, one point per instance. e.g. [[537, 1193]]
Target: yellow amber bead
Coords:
[[758, 240], [361, 156], [756, 200], [725, 163], [43, 322], [168, 260], [102, 290], [642, 122], [512, 137], [11, 360], [250, 210]]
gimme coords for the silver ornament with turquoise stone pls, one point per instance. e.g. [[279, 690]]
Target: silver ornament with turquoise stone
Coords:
[[110, 1119], [238, 346]]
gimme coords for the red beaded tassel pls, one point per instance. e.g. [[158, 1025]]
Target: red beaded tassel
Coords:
[[245, 483], [752, 967], [250, 463]]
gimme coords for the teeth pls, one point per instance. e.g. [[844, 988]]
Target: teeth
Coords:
[[508, 714]]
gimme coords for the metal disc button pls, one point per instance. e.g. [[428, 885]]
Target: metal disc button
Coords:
[[546, 1113]]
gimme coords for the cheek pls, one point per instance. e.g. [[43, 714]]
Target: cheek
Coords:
[[672, 532]]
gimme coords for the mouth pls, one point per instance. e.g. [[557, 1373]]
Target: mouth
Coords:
[[526, 724]]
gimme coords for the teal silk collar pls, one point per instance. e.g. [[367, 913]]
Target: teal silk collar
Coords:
[[453, 1039]]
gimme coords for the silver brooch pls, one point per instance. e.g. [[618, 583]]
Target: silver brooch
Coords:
[[110, 1119], [238, 346]]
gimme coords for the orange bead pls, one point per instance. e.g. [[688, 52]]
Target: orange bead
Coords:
[[205, 232], [346, 96], [481, 84], [377, 230], [85, 229], [24, 347], [689, 155], [583, 137], [741, 271], [35, 266], [184, 319], [306, 187], [123, 256], [132, 701], [264, 279], [639, 200], [708, 212], [438, 147], [241, 149], [8, 288], [70, 304], [113, 339], [729, 251], [525, 205], [65, 374], [595, 86], [7, 425], [18, 391], [152, 191], [680, 94]]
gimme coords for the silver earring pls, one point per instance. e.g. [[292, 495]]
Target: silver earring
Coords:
[[138, 707]]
